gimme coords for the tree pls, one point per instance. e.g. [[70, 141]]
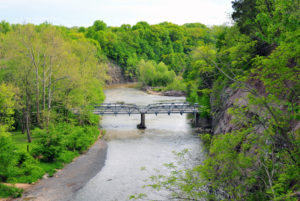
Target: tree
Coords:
[[4, 27], [7, 105]]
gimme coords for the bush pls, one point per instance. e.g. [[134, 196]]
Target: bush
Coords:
[[28, 170], [177, 84], [206, 139], [80, 138], [8, 157], [152, 74], [62, 139], [48, 146], [10, 191], [67, 156], [51, 168]]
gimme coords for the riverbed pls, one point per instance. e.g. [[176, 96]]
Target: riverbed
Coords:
[[112, 169], [130, 149]]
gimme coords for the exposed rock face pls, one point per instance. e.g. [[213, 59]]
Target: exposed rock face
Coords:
[[221, 119], [115, 74]]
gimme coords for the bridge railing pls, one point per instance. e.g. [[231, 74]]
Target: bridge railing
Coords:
[[168, 108], [116, 108], [157, 108]]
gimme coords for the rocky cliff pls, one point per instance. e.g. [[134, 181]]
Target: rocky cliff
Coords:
[[227, 98], [115, 73]]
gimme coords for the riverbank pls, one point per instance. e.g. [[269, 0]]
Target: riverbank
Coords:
[[130, 150], [149, 90], [71, 178], [123, 85], [155, 91]]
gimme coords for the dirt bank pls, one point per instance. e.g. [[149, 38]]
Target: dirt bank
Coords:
[[63, 185], [151, 90]]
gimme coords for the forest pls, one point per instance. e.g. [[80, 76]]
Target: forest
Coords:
[[51, 76]]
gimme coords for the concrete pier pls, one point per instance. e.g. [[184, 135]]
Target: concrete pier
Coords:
[[196, 118], [142, 125]]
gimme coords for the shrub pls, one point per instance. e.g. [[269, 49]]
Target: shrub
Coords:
[[152, 74], [8, 158], [48, 146], [10, 191], [28, 169], [67, 156], [61, 139]]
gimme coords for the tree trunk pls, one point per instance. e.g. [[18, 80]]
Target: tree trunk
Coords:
[[49, 92], [44, 89], [28, 127], [27, 116], [37, 102], [44, 85], [23, 121]]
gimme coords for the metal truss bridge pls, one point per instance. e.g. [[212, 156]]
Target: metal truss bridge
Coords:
[[157, 108]]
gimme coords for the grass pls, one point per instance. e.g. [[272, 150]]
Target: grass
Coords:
[[10, 191], [33, 168], [50, 168], [21, 140], [65, 158]]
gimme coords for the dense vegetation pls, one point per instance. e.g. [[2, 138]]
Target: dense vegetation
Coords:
[[165, 44], [259, 159], [49, 79], [48, 73]]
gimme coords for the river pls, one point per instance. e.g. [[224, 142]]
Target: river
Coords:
[[129, 149]]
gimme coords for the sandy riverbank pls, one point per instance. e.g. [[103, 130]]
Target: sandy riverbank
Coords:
[[63, 185]]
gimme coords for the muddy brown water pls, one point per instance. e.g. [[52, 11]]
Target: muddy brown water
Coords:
[[130, 149]]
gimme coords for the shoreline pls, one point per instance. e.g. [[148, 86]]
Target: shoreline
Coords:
[[67, 181], [147, 89], [174, 93]]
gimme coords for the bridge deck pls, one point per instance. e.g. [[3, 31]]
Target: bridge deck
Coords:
[[158, 108]]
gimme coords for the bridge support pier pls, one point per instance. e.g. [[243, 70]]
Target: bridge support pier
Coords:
[[142, 125], [196, 118]]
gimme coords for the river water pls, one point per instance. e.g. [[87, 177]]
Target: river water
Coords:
[[130, 149]]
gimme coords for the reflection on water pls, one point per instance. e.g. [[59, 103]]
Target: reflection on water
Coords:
[[129, 149]]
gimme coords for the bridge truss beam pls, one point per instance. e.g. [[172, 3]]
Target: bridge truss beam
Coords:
[[158, 108]]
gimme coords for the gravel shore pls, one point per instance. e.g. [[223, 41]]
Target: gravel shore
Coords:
[[63, 185]]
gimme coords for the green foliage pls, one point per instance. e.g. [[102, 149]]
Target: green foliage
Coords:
[[4, 27], [48, 146], [257, 57], [206, 139], [67, 156], [28, 170], [165, 42], [153, 74], [16, 165], [182, 181], [51, 168], [46, 74], [177, 84], [8, 158], [36, 66], [9, 191], [59, 140], [7, 104]]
